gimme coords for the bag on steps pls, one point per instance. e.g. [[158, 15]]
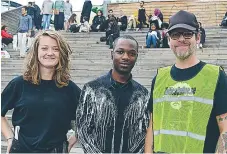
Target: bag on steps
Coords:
[[5, 54], [103, 39]]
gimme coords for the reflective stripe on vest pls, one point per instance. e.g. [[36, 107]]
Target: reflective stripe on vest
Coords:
[[180, 133], [181, 110], [183, 98]]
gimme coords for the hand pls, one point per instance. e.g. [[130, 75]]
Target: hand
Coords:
[[28, 34], [72, 140], [9, 144]]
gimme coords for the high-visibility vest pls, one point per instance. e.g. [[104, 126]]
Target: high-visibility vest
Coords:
[[181, 110]]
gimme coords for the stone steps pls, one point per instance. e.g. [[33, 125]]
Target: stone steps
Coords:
[[103, 50], [209, 13], [90, 60]]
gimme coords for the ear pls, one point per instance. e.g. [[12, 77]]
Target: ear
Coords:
[[168, 40], [111, 54], [198, 38], [137, 57]]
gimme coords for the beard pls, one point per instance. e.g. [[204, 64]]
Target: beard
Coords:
[[182, 55]]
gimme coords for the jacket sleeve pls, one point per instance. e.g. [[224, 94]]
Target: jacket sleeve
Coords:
[[18, 25], [9, 96], [30, 23], [85, 121], [94, 21], [159, 35], [147, 35], [204, 33], [5, 34]]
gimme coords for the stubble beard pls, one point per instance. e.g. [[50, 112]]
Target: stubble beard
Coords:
[[185, 55]]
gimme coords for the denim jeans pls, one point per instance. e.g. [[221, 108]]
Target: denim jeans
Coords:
[[46, 21], [151, 39]]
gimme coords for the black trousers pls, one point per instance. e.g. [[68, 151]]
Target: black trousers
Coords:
[[38, 22], [165, 42], [7, 41], [202, 39], [18, 148], [59, 21], [123, 27], [74, 28], [110, 38], [143, 21], [82, 16]]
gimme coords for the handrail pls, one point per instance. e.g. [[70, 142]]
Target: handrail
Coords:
[[11, 10]]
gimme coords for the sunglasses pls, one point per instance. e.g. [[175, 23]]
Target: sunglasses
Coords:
[[176, 35]]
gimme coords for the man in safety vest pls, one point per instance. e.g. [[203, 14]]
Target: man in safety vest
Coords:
[[189, 99]]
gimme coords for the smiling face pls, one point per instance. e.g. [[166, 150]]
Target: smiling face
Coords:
[[184, 46], [48, 52], [124, 56]]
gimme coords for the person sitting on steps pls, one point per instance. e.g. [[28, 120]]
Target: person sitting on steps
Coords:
[[112, 32], [153, 37], [6, 37]]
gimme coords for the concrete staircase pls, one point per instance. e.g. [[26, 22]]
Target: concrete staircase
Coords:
[[208, 12], [11, 19], [91, 59]]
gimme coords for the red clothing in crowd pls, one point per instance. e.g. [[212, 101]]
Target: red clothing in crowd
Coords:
[[4, 34]]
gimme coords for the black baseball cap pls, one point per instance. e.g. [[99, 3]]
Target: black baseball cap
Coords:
[[183, 19]]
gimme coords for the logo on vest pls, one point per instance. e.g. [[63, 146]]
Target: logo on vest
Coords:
[[178, 90]]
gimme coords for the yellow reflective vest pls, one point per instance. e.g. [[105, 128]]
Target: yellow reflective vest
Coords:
[[181, 110]]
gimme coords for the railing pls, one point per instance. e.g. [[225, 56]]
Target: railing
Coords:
[[10, 18]]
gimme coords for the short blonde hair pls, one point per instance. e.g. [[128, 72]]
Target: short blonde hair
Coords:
[[61, 75]]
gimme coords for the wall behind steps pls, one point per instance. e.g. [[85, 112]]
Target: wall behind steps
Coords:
[[209, 13]]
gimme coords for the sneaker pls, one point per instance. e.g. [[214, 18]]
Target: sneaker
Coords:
[[4, 45], [197, 46], [200, 46]]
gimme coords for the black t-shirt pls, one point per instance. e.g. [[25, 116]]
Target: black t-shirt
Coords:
[[142, 14], [219, 107], [42, 112]]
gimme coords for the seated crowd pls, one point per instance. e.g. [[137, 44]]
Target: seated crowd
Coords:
[[112, 25]]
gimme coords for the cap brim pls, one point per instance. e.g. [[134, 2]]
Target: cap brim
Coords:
[[184, 26]]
